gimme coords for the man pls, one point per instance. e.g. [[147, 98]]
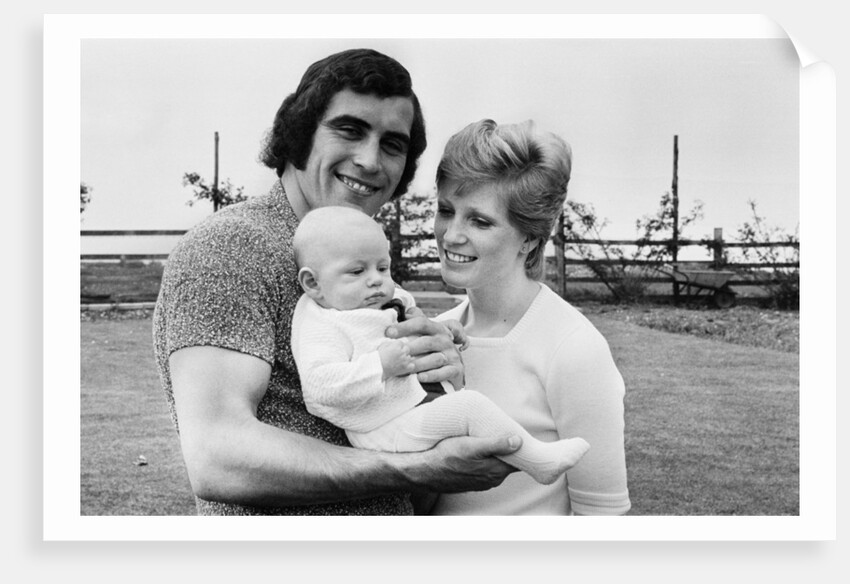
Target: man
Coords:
[[350, 135]]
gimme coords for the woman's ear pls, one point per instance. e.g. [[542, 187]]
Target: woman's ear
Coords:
[[309, 283], [529, 245]]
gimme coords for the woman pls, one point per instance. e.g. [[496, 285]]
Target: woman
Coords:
[[500, 191]]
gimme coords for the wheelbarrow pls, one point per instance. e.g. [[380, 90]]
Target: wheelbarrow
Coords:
[[709, 284]]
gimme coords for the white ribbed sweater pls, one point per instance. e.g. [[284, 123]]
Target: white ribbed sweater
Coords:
[[340, 369]]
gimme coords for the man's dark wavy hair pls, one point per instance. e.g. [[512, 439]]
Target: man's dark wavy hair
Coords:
[[363, 71]]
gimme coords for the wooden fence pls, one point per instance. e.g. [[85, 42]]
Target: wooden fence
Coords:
[[717, 248]]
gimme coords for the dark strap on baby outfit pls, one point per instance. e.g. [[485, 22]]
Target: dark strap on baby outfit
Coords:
[[432, 389], [398, 306]]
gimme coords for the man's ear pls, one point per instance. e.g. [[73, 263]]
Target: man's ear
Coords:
[[309, 283]]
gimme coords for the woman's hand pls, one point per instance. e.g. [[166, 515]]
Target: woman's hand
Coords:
[[433, 346], [458, 333]]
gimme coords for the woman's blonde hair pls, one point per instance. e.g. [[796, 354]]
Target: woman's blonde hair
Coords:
[[530, 169]]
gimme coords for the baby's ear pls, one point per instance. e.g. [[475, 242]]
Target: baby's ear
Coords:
[[309, 283]]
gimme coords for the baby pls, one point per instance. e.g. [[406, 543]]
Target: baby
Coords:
[[361, 381]]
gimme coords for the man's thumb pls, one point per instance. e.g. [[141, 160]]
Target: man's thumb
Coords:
[[514, 442]]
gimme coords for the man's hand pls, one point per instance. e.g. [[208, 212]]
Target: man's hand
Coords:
[[455, 328], [432, 344], [457, 465]]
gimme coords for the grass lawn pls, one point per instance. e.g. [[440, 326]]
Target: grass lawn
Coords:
[[712, 428], [124, 416]]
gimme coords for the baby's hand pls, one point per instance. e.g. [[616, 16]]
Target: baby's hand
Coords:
[[396, 358]]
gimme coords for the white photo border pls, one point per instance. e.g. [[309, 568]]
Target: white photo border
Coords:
[[61, 464]]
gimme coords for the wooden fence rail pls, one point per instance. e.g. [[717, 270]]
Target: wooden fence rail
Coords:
[[562, 245]]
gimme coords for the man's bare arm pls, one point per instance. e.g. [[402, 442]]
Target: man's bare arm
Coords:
[[233, 457]]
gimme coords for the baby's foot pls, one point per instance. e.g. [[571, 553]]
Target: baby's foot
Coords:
[[567, 454]]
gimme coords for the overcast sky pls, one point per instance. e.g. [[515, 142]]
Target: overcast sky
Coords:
[[150, 108]]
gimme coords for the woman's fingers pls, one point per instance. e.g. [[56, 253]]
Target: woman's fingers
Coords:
[[458, 333]]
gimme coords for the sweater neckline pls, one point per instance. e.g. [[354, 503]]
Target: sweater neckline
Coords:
[[518, 329]]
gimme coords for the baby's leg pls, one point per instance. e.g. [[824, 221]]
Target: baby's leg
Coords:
[[470, 413]]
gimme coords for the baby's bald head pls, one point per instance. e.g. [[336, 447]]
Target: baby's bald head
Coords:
[[326, 233]]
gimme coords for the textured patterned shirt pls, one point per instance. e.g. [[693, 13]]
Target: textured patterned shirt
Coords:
[[231, 283]]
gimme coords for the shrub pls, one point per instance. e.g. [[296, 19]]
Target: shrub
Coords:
[[782, 284]]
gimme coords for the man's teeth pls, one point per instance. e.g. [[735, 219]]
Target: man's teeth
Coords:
[[359, 187], [461, 259]]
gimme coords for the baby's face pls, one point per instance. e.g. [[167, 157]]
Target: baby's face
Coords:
[[357, 275]]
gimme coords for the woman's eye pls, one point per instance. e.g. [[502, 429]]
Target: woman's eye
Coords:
[[481, 223], [444, 211]]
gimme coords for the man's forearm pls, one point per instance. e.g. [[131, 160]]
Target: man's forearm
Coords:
[[299, 470], [233, 457], [293, 469]]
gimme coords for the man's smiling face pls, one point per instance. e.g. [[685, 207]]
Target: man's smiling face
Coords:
[[359, 152]]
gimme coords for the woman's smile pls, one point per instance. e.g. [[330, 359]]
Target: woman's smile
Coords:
[[459, 258]]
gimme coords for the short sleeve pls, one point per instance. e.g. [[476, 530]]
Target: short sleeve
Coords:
[[585, 392], [222, 292]]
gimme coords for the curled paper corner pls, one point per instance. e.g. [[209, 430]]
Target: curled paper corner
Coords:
[[772, 28], [806, 56]]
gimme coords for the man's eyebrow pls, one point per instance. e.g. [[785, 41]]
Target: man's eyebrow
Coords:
[[348, 119]]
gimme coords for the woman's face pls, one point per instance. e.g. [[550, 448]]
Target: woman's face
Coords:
[[478, 245]]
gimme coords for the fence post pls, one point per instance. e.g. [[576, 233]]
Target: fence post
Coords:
[[675, 190], [560, 264], [216, 198], [396, 258], [718, 248]]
